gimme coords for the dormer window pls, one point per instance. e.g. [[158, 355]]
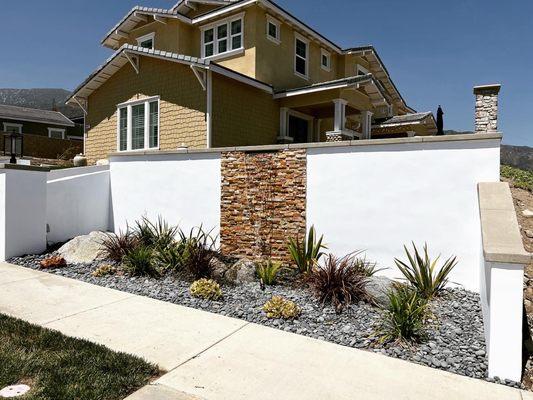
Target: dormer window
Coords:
[[273, 30], [146, 41], [223, 38]]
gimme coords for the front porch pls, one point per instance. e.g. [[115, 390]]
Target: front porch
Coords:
[[334, 111]]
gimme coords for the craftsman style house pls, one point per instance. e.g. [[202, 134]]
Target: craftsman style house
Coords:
[[218, 73]]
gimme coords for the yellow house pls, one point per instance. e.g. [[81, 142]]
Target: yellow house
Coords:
[[218, 73]]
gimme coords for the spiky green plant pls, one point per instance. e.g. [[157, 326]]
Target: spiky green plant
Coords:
[[307, 253], [268, 270], [199, 249], [403, 318], [422, 273], [170, 258], [158, 235], [139, 262]]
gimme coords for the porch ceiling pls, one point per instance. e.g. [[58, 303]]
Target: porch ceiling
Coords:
[[325, 111]]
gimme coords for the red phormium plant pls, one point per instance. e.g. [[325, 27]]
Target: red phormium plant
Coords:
[[117, 246], [339, 281]]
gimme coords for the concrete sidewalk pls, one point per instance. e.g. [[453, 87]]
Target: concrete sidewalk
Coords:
[[213, 357]]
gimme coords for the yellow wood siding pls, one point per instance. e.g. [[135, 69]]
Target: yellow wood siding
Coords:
[[182, 106]]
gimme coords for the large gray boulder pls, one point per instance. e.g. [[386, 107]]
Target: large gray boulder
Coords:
[[84, 249], [377, 287], [242, 271]]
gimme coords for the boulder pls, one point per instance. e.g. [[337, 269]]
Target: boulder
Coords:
[[527, 213], [84, 249], [377, 287], [243, 271]]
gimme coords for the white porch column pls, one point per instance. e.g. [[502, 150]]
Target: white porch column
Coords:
[[284, 126], [340, 115], [366, 123]]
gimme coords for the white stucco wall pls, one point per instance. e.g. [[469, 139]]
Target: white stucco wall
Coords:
[[378, 198], [182, 188], [22, 213], [78, 202]]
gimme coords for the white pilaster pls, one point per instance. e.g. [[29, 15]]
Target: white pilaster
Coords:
[[340, 115], [366, 121]]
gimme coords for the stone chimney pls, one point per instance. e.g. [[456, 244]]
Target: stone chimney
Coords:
[[486, 118]]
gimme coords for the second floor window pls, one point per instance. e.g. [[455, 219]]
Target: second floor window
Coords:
[[301, 57], [222, 37]]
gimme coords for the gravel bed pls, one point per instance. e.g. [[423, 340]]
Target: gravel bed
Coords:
[[455, 340]]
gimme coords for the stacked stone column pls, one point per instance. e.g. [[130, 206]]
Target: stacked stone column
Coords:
[[486, 116]]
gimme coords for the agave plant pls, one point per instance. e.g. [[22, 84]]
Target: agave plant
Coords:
[[306, 254], [267, 271], [403, 319], [422, 273]]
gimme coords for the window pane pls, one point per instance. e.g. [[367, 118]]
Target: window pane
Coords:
[[301, 48], [222, 46], [272, 30], [208, 36], [325, 61], [222, 31], [13, 129], [236, 27], [137, 127], [209, 50], [147, 44], [154, 123], [300, 66], [236, 42], [123, 134], [56, 134]]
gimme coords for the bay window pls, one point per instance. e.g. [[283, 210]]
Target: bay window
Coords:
[[223, 38], [138, 125]]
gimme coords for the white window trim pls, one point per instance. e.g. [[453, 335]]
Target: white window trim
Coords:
[[214, 25], [149, 36], [360, 68], [304, 40], [129, 105], [328, 55], [277, 24], [56, 130], [12, 125]]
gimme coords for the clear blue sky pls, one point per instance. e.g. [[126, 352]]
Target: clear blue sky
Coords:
[[436, 51]]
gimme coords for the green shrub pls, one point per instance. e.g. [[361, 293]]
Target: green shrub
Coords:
[[139, 262], [170, 258], [117, 245], [339, 281], [158, 235], [267, 271], [403, 319], [520, 178], [422, 273], [278, 307], [199, 249], [104, 270], [206, 289], [307, 253]]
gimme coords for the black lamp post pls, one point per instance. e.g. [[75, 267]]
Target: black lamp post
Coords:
[[13, 145]]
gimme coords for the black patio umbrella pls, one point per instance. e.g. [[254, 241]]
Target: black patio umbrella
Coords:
[[440, 121]]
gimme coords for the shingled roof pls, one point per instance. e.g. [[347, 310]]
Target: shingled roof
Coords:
[[407, 118], [34, 115]]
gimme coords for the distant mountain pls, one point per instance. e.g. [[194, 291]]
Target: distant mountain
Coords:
[[517, 156], [44, 99]]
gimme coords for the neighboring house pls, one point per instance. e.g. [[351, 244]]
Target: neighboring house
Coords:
[[46, 134], [216, 73]]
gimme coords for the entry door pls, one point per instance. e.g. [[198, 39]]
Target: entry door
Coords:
[[298, 129]]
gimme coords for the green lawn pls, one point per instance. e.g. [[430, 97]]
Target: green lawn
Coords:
[[521, 178], [61, 368]]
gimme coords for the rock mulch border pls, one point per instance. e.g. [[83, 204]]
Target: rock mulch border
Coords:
[[455, 339]]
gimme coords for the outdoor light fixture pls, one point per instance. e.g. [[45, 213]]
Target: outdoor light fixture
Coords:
[[13, 146]]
